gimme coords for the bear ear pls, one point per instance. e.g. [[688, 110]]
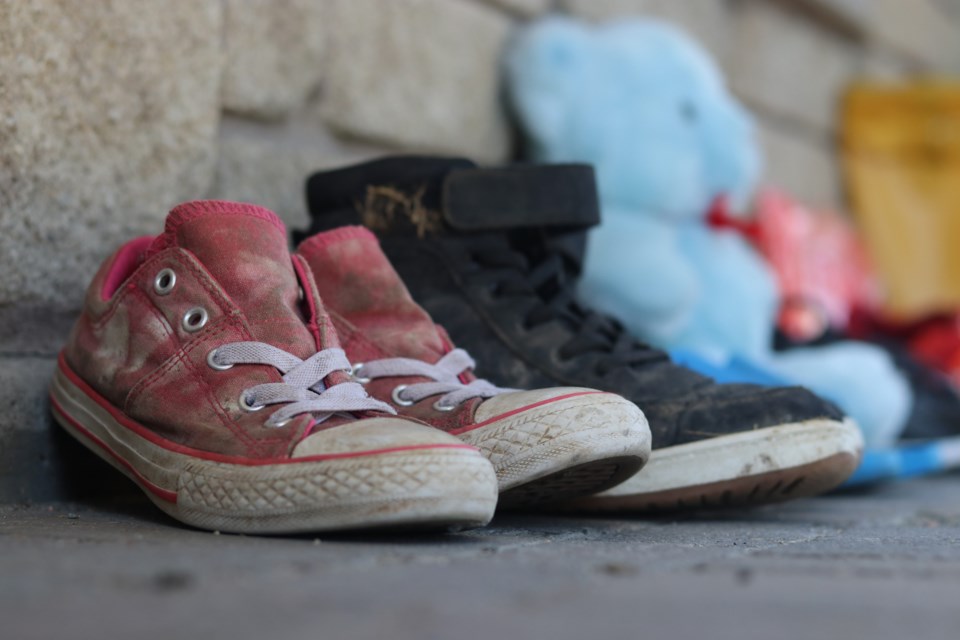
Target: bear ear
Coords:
[[542, 68]]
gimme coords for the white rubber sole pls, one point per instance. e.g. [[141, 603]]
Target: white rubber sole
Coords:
[[572, 447], [450, 488], [753, 467]]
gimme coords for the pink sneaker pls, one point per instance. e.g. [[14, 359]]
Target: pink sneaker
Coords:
[[205, 368], [547, 445]]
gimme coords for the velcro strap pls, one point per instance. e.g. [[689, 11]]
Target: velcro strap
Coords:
[[521, 196]]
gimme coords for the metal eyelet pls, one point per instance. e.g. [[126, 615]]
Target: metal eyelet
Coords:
[[355, 373], [194, 319], [246, 405], [213, 364], [443, 407], [397, 400], [164, 282]]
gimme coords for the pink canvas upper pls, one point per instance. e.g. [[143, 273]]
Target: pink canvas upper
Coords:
[[357, 281], [375, 316], [244, 248], [131, 347]]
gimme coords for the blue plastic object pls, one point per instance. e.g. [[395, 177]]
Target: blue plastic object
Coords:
[[906, 461]]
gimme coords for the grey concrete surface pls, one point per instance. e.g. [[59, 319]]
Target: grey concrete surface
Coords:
[[881, 565]]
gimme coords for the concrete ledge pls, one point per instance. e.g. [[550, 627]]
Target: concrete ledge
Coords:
[[38, 460], [882, 566]]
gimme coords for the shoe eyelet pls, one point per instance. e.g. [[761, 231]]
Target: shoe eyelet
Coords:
[[213, 364], [355, 373], [164, 282], [443, 407], [247, 405], [397, 399], [194, 319]]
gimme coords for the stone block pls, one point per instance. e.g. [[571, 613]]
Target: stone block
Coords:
[[847, 18], [34, 330], [920, 29], [803, 165], [108, 116], [785, 64], [268, 163], [710, 22], [417, 74], [950, 9], [883, 65], [273, 55], [524, 8]]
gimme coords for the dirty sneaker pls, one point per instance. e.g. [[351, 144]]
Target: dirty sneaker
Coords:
[[492, 255], [204, 367], [546, 446]]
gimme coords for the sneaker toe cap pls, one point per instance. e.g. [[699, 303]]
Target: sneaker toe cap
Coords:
[[373, 435], [520, 400], [736, 408]]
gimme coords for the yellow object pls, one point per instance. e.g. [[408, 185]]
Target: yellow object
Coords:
[[901, 156]]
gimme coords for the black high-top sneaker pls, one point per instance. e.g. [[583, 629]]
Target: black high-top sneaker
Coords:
[[492, 255]]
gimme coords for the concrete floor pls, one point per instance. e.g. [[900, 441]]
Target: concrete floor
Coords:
[[881, 565]]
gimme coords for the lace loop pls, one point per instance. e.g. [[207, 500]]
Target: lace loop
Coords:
[[302, 389], [445, 375]]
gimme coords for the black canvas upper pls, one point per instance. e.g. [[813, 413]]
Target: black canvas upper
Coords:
[[501, 285]]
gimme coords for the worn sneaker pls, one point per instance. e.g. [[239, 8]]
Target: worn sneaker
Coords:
[[204, 367], [546, 446], [492, 255]]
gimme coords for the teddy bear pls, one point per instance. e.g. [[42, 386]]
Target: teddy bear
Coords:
[[649, 108]]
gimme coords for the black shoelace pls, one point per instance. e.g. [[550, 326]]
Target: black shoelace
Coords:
[[547, 283]]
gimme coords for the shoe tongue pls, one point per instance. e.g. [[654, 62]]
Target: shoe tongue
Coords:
[[244, 248], [357, 282]]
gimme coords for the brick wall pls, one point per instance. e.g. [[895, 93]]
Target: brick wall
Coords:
[[113, 111]]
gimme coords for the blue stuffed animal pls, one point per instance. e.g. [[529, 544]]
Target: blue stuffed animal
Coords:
[[649, 108]]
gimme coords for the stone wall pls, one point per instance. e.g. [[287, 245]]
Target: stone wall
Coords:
[[111, 111]]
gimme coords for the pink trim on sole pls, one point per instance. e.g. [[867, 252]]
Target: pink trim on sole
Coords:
[[160, 492]]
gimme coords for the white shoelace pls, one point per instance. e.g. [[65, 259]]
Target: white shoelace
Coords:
[[302, 389], [445, 374]]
